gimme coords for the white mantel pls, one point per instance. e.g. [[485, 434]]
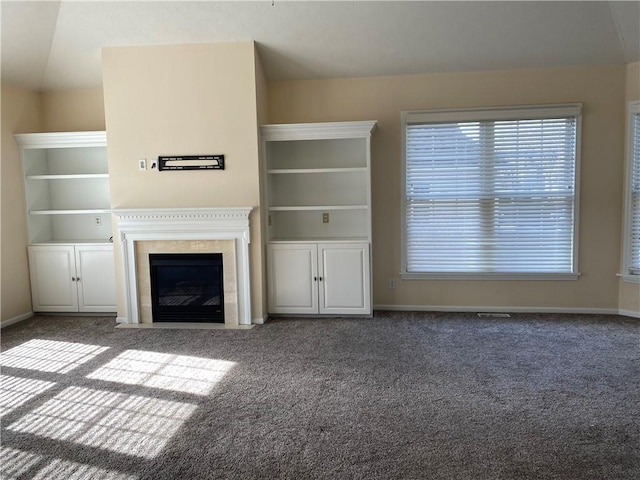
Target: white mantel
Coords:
[[158, 224]]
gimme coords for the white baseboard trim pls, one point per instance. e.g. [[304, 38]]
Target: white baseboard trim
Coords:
[[261, 321], [19, 318], [122, 320], [467, 309], [629, 313]]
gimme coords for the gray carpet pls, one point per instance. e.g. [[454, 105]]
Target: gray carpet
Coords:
[[400, 396]]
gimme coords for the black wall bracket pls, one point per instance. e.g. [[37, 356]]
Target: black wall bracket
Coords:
[[191, 162]]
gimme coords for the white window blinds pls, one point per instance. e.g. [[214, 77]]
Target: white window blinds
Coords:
[[633, 235], [493, 195]]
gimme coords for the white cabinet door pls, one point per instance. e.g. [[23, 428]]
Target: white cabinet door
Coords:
[[326, 278], [67, 278], [292, 270], [96, 278], [53, 278], [344, 286]]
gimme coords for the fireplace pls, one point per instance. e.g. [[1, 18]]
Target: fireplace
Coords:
[[151, 231], [187, 287]]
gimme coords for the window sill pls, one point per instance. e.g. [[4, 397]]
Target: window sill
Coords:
[[629, 278], [490, 276]]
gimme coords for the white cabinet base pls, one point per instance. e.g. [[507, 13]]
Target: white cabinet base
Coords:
[[319, 278], [72, 278]]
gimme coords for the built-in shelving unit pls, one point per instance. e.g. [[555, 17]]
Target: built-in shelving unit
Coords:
[[68, 216], [318, 194], [66, 186]]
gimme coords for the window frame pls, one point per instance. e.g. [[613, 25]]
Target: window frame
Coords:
[[633, 108], [491, 114]]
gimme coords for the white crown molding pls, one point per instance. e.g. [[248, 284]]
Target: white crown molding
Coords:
[[61, 139], [317, 131]]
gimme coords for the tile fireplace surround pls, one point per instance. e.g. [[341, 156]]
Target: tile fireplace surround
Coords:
[[185, 230]]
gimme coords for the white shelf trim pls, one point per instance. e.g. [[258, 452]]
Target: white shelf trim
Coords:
[[68, 177], [317, 170], [317, 207], [320, 240], [70, 212], [62, 139]]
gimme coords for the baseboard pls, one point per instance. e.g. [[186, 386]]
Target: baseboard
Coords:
[[629, 313], [261, 321], [122, 320], [467, 309], [19, 318]]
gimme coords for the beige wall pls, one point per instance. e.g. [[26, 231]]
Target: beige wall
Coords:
[[629, 300], [73, 110], [21, 113], [185, 99], [600, 89], [262, 118]]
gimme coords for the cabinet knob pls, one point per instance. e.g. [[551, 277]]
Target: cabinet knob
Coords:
[[320, 278], [73, 279], [315, 279], [77, 279]]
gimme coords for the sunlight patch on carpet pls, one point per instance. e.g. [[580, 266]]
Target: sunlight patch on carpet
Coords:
[[66, 470], [15, 391], [179, 373], [15, 463], [118, 422], [49, 355]]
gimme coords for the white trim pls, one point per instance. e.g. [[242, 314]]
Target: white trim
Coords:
[[629, 278], [317, 131], [490, 276], [261, 320], [629, 313], [473, 309], [61, 139], [523, 112], [633, 108], [184, 224], [19, 318]]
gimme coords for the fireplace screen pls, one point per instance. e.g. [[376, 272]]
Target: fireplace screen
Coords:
[[187, 287]]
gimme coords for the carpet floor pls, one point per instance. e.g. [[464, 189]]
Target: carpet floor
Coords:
[[399, 396]]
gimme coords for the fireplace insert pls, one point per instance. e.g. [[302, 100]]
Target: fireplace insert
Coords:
[[187, 287]]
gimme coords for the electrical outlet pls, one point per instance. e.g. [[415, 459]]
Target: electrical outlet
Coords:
[[142, 164], [392, 283], [325, 218], [98, 221]]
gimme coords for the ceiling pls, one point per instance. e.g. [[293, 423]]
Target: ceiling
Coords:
[[57, 44]]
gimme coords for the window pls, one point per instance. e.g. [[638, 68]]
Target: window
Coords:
[[491, 193], [631, 269]]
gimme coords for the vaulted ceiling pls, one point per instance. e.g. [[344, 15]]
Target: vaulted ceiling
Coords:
[[57, 45]]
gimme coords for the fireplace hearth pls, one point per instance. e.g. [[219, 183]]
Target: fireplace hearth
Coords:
[[187, 287]]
